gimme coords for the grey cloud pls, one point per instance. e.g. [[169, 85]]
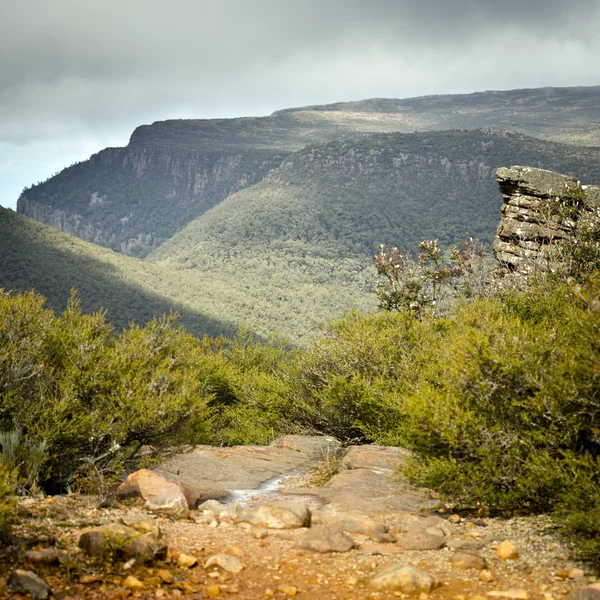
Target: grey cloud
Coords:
[[92, 71]]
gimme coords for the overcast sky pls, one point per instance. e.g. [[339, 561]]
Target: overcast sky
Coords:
[[79, 75]]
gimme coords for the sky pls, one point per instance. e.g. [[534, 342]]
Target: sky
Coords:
[[77, 76]]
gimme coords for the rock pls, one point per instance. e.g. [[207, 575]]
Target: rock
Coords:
[[89, 579], [133, 583], [142, 523], [352, 523], [47, 556], [404, 578], [175, 507], [118, 542], [213, 505], [165, 576], [325, 538], [454, 519], [588, 593], [147, 484], [431, 523], [288, 590], [507, 551], [318, 446], [469, 545], [275, 516], [227, 562], [575, 573], [213, 591], [517, 594], [259, 534], [486, 576], [420, 540], [468, 560], [27, 582], [186, 561], [594, 586]]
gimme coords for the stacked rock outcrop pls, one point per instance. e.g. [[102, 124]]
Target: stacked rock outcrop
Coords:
[[541, 211]]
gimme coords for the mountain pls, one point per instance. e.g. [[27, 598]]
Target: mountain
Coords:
[[133, 199], [295, 249], [37, 256]]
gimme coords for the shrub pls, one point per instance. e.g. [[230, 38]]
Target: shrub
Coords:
[[507, 414]]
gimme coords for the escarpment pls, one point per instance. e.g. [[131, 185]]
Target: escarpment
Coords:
[[543, 214]]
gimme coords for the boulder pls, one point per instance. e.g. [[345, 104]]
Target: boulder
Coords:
[[175, 507], [227, 562], [405, 579], [283, 515], [27, 582], [325, 538], [468, 560], [418, 539], [352, 523], [118, 542], [147, 484]]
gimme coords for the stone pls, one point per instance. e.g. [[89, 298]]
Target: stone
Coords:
[[89, 579], [594, 586], [212, 505], [227, 562], [186, 561], [468, 560], [148, 484], [507, 551], [587, 593], [515, 594], [165, 576], [27, 582], [486, 576], [275, 516], [175, 507], [576, 573], [142, 523], [288, 590], [454, 519], [259, 534], [118, 542], [213, 591], [352, 523], [325, 538], [429, 523], [404, 578], [47, 556], [133, 583], [420, 540]]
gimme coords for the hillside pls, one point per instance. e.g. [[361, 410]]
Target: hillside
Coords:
[[133, 199], [296, 248], [36, 256]]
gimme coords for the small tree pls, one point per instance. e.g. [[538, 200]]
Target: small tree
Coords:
[[426, 283]]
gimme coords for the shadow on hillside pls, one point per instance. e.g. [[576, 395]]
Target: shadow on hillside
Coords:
[[34, 256]]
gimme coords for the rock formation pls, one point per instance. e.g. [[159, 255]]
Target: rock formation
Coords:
[[542, 210]]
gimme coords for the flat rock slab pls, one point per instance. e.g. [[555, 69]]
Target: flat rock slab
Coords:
[[246, 467], [369, 484]]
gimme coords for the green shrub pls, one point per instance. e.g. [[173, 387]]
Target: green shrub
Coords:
[[22, 457], [507, 413], [8, 485], [95, 398]]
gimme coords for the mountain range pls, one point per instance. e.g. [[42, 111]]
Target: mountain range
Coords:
[[271, 222]]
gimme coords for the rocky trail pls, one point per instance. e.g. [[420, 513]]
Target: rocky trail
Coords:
[[301, 517]]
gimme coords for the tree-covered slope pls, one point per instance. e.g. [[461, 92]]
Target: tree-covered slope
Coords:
[[36, 256], [298, 245]]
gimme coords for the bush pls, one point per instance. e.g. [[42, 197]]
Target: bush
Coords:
[[93, 397], [507, 413]]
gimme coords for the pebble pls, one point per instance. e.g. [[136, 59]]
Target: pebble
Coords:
[[516, 594], [507, 551], [186, 561], [227, 562], [486, 576], [133, 583], [213, 591], [165, 576], [289, 590], [468, 560]]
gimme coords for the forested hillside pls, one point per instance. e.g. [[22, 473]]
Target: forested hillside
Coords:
[[297, 247]]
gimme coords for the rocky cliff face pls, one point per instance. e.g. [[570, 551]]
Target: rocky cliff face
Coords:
[[132, 199], [542, 211]]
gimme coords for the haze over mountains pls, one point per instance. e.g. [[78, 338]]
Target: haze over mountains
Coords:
[[271, 222]]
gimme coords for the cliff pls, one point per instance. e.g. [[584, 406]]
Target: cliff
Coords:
[[543, 211]]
